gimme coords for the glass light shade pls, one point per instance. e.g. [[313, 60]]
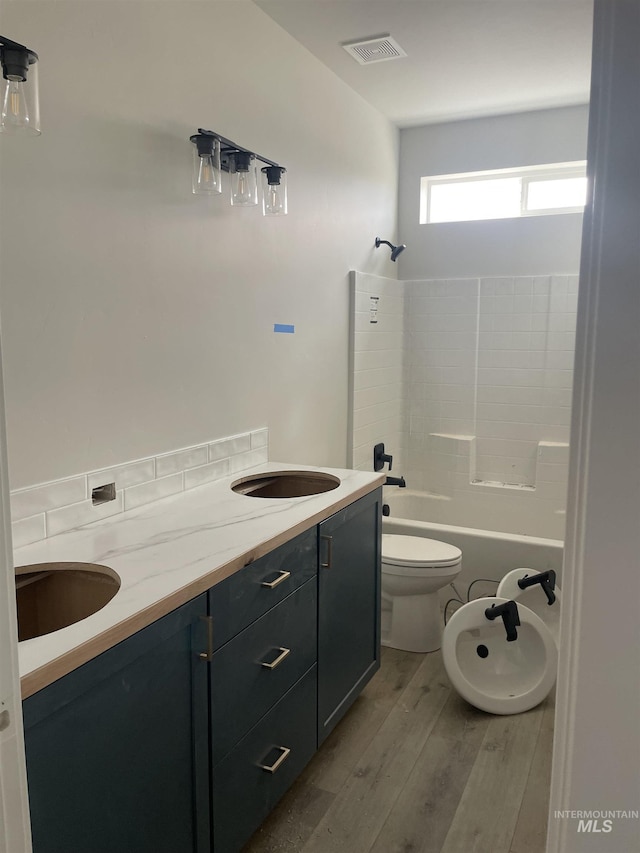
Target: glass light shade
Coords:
[[207, 177], [20, 102], [244, 179], [274, 191]]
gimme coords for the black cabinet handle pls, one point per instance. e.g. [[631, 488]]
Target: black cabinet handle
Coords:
[[329, 541]]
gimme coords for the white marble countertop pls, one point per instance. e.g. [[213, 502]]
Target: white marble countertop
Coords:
[[166, 553]]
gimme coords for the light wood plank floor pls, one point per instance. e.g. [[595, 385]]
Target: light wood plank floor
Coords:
[[413, 768]]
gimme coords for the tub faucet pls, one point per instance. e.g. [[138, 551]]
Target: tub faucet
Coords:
[[547, 581], [510, 617], [395, 481]]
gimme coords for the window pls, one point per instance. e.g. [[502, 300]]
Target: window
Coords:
[[504, 193]]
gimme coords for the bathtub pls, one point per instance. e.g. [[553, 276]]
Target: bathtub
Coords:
[[485, 553]]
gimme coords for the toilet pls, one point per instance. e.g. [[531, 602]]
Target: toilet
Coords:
[[413, 570]]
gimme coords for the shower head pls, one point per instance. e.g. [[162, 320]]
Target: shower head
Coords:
[[395, 250]]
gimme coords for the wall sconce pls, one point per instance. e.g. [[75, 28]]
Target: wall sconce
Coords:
[[274, 190], [214, 154], [244, 179], [20, 104], [207, 177]]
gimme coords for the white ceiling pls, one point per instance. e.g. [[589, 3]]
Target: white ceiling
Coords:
[[465, 59]]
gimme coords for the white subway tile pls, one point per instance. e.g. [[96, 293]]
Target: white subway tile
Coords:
[[123, 476], [542, 284], [259, 438], [248, 459], [496, 286], [209, 473], [172, 463], [79, 514], [523, 285], [37, 499], [155, 490], [28, 530], [229, 446]]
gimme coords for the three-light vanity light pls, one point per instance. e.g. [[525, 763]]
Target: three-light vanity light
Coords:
[[20, 105], [214, 154]]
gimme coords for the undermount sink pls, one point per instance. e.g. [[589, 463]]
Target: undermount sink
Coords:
[[286, 484], [51, 596]]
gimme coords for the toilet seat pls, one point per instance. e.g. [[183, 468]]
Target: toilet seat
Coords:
[[415, 556]]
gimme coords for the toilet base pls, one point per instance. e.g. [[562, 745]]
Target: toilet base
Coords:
[[414, 623]]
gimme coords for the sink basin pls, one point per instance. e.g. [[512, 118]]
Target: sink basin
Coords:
[[286, 484], [51, 596], [493, 674]]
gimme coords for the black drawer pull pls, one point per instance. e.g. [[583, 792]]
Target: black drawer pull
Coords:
[[282, 577], [208, 655], [271, 768], [329, 541], [274, 663]]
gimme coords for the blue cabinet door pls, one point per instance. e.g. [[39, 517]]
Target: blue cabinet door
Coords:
[[348, 607], [117, 751]]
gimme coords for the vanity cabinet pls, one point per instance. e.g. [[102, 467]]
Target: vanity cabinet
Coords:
[[263, 686], [182, 738], [349, 607], [117, 749]]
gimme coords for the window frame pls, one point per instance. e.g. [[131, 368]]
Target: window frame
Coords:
[[528, 176]]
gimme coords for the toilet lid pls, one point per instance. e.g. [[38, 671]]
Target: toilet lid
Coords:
[[417, 551]]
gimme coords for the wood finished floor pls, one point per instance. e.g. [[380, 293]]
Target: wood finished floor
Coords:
[[413, 768]]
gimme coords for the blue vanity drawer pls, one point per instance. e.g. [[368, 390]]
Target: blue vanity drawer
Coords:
[[256, 668], [244, 792], [242, 598]]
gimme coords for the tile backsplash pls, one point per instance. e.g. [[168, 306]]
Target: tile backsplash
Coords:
[[51, 508]]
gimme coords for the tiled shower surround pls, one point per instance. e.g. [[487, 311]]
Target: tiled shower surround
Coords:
[[480, 415], [51, 508]]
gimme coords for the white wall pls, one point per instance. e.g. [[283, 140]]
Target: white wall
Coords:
[[138, 318], [536, 245], [377, 405], [596, 760], [14, 806]]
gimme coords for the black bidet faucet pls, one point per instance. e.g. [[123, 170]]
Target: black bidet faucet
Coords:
[[547, 581], [510, 617]]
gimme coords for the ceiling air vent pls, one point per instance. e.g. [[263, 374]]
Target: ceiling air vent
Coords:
[[379, 49]]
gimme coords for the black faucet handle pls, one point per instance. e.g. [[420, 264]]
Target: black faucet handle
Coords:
[[510, 617], [547, 581], [380, 457]]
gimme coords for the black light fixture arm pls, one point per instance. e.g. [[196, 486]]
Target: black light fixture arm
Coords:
[[227, 147]]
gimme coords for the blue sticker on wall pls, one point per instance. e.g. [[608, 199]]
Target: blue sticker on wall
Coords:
[[283, 327]]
